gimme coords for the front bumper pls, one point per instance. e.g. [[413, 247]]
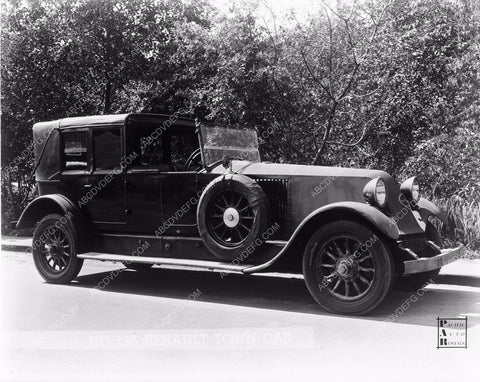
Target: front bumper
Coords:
[[426, 264]]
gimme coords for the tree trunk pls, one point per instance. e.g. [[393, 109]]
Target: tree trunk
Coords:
[[326, 135], [107, 97]]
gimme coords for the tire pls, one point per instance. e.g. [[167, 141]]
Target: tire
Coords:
[[419, 280], [341, 253], [137, 266], [55, 250], [232, 216]]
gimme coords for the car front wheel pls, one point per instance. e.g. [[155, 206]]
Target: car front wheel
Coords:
[[347, 268], [55, 250]]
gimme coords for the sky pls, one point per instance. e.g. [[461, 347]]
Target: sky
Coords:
[[280, 7]]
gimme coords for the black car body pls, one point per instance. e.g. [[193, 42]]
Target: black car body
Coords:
[[149, 189]]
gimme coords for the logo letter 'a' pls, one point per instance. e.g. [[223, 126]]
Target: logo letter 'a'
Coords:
[[443, 339]]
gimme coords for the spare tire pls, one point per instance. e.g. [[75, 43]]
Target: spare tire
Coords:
[[232, 216]]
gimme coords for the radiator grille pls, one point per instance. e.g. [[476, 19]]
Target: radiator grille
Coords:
[[277, 194]]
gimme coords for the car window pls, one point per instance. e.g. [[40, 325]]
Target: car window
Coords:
[[151, 153], [148, 151], [75, 150], [107, 149], [166, 151], [182, 146]]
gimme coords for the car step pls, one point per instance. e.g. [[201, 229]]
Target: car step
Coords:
[[169, 263]]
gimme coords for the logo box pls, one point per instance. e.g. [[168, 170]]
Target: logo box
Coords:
[[451, 332]]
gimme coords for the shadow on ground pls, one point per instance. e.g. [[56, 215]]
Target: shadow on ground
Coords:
[[290, 294]]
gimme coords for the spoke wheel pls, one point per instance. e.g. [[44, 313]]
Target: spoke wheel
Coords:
[[230, 218], [233, 217], [347, 268], [54, 249]]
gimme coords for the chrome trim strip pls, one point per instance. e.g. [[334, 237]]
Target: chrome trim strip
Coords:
[[166, 262]]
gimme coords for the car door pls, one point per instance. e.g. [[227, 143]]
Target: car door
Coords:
[[144, 197], [179, 203], [76, 164], [161, 194], [144, 200], [179, 185], [106, 190]]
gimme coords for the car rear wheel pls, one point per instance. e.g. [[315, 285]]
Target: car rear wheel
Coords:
[[347, 268], [55, 250]]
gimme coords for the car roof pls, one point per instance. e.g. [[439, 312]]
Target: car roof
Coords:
[[113, 120]]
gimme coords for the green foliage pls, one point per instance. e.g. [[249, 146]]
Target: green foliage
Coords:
[[64, 58], [446, 164], [463, 215], [391, 85]]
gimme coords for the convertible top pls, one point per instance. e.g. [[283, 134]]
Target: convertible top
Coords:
[[111, 120], [47, 140]]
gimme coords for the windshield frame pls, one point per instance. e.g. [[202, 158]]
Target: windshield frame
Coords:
[[206, 125]]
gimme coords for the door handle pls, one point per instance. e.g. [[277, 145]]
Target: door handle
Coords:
[[87, 185]]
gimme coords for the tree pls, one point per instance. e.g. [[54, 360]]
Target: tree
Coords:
[[75, 58]]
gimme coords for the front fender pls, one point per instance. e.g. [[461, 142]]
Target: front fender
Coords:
[[382, 222], [427, 208]]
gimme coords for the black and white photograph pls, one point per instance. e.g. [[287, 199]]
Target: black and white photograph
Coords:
[[240, 190]]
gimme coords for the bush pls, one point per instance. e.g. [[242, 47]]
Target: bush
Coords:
[[447, 165], [18, 189], [463, 215]]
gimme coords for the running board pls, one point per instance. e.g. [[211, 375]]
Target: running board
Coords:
[[169, 263]]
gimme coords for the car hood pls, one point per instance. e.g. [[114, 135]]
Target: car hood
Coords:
[[313, 187], [289, 170]]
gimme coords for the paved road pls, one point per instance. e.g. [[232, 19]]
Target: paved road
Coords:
[[178, 325]]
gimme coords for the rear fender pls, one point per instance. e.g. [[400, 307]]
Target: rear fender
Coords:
[[54, 204]]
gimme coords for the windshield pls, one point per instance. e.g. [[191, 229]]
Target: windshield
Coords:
[[221, 141]]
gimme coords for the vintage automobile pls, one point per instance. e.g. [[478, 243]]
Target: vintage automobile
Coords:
[[146, 189]]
